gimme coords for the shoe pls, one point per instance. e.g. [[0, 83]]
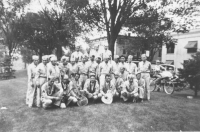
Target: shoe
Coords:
[[63, 106]]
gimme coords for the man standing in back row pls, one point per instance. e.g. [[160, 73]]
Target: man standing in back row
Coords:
[[31, 71], [105, 68], [144, 67], [41, 78], [130, 66]]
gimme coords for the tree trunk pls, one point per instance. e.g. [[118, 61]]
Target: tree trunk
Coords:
[[40, 56], [59, 51], [111, 41], [112, 47]]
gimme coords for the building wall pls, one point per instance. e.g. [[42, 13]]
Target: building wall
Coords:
[[180, 53]]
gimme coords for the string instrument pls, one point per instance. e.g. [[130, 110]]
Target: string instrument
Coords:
[[118, 86], [82, 100], [108, 98]]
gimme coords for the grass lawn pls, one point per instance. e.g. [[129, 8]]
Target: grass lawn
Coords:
[[163, 113]]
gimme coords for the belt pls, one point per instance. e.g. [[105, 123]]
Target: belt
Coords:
[[83, 74], [145, 72], [43, 76]]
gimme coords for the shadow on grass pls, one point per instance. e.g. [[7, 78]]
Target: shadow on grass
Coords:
[[184, 94]]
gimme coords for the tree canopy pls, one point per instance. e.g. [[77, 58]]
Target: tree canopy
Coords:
[[115, 14]]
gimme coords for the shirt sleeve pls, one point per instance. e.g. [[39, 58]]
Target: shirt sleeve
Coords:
[[136, 68], [71, 87], [101, 88], [135, 87], [124, 86], [86, 85], [37, 73], [44, 92], [29, 73], [96, 88], [143, 83]]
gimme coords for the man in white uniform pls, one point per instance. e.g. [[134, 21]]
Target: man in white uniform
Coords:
[[51, 94], [83, 70], [31, 71], [122, 62], [107, 52], [41, 78], [77, 54], [145, 67], [53, 70], [130, 89], [64, 66], [91, 88], [105, 68], [92, 65], [74, 68], [116, 67], [130, 66]]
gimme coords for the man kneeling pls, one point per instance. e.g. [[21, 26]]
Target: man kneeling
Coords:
[[51, 94], [107, 90], [117, 81], [130, 89], [91, 87]]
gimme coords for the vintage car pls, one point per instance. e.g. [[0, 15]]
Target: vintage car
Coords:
[[169, 67]]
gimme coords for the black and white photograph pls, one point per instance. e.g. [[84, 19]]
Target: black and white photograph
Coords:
[[99, 65]]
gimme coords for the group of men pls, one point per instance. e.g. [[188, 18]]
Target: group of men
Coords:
[[61, 83]]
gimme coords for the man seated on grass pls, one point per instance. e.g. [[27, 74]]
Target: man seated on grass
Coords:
[[75, 88], [141, 86], [91, 87], [123, 73], [51, 93], [107, 86], [117, 81], [130, 89], [67, 98]]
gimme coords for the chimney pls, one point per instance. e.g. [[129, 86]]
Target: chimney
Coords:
[[129, 34]]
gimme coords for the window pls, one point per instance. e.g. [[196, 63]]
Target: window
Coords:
[[191, 46], [170, 62], [124, 51], [192, 50], [170, 48]]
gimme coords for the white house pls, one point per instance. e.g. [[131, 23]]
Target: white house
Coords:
[[187, 45]]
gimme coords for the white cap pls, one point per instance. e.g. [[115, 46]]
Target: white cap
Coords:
[[137, 73], [143, 55], [122, 67], [130, 57], [116, 56], [53, 58], [35, 57], [78, 45], [44, 57], [64, 58], [157, 61], [117, 73], [66, 77], [131, 76], [49, 56]]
